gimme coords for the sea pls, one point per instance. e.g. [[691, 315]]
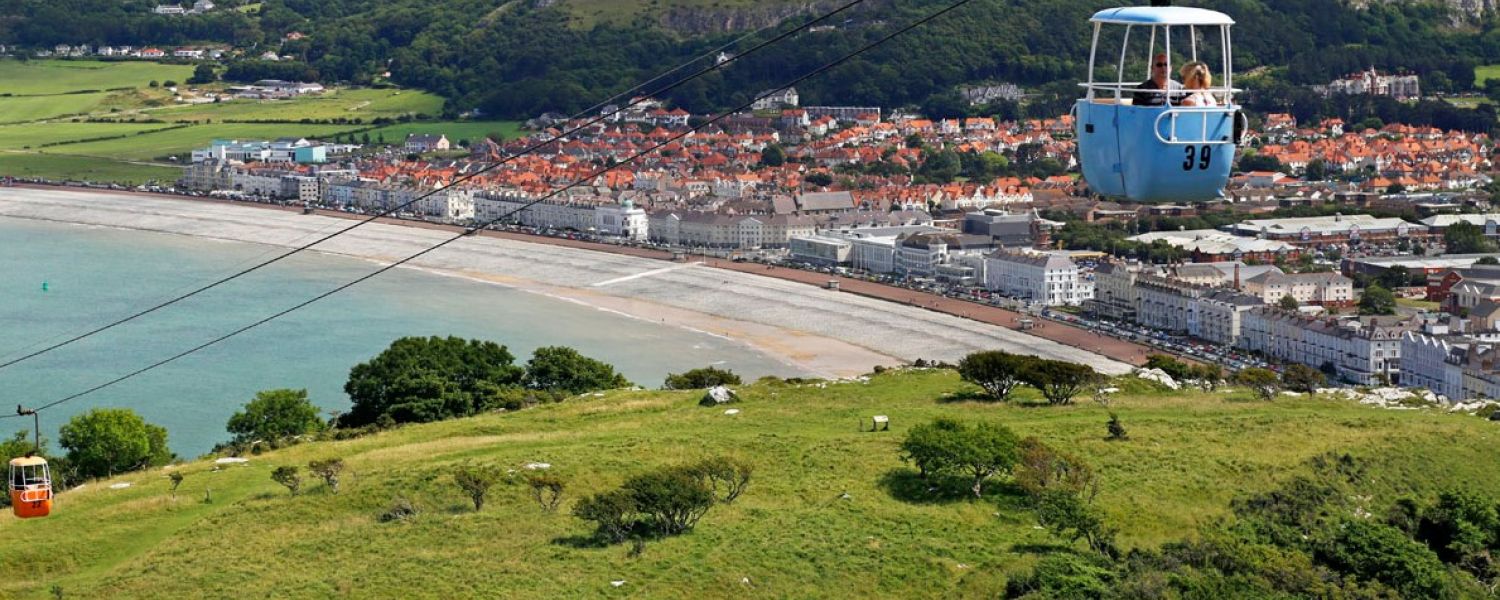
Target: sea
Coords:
[[60, 280]]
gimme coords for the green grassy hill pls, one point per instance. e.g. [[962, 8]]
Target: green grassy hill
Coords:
[[793, 533]]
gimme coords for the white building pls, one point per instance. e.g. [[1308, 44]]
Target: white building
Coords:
[[1365, 351], [1322, 289], [450, 205], [821, 249], [623, 220], [1047, 278], [1434, 362]]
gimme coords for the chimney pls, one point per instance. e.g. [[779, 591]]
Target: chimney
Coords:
[[1236, 275]]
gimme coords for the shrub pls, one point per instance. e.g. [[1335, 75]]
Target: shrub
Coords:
[[1116, 429], [428, 379], [673, 499], [328, 470], [546, 489], [997, 372], [949, 447], [727, 476], [1042, 469], [1382, 553], [565, 370], [1171, 366], [1302, 378], [696, 379], [176, 478], [275, 415], [1059, 381], [476, 481], [1262, 381], [612, 512], [288, 476], [106, 441], [1071, 517], [400, 509]]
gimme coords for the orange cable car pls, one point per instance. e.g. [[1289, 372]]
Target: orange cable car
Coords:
[[30, 487]]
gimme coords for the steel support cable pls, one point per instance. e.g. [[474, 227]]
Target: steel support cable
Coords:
[[457, 181], [450, 240]]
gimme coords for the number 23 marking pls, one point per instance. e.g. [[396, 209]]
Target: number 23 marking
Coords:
[[1200, 158]]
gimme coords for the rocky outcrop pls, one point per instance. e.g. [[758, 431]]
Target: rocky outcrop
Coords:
[[706, 20], [1463, 11]]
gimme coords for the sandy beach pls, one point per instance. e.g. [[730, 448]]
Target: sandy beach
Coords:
[[825, 332]]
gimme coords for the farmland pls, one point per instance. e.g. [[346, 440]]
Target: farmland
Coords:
[[41, 77], [49, 114]]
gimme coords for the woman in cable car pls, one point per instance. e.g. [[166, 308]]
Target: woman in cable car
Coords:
[[30, 487], [1157, 140]]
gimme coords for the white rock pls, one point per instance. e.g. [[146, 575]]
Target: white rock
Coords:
[[1158, 376], [119, 486], [231, 460], [732, 411], [617, 583], [533, 466]]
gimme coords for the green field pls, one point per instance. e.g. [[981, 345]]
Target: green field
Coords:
[[21, 109], [367, 104], [1484, 73], [35, 120], [36, 77], [82, 168], [180, 141], [822, 517], [34, 135], [455, 130]]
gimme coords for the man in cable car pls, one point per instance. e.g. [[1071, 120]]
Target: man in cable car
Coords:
[[1158, 81]]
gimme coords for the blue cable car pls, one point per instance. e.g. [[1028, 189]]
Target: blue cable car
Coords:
[[1149, 142]]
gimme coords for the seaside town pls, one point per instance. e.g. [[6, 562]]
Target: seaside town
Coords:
[[1278, 272], [591, 298]]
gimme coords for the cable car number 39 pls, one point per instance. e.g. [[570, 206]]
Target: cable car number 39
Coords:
[[1198, 157]]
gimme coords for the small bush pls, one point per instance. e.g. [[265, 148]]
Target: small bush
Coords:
[[400, 509], [476, 481], [727, 476], [1116, 429], [696, 379], [546, 489], [612, 512], [328, 470], [176, 478], [288, 476]]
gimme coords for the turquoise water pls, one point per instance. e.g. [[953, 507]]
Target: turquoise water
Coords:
[[95, 275]]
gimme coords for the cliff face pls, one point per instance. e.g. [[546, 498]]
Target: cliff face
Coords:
[[707, 20], [1463, 11]]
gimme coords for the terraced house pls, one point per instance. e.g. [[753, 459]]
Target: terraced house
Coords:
[[1362, 350]]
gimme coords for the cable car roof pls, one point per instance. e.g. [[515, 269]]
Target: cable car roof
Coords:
[[28, 461], [1161, 15]]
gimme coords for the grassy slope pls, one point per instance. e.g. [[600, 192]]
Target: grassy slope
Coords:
[[791, 535], [83, 168], [367, 104], [179, 141], [20, 109], [455, 130], [61, 76], [13, 137], [1483, 73], [111, 160]]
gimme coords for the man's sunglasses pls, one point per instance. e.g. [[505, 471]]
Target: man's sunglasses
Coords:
[[1161, 64]]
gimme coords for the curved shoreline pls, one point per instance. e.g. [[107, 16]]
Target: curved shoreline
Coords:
[[828, 333]]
